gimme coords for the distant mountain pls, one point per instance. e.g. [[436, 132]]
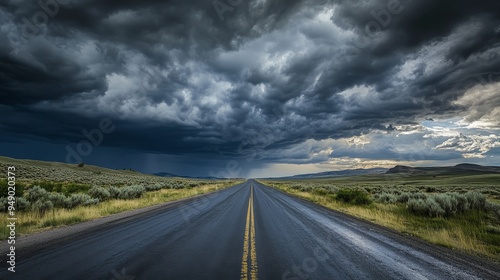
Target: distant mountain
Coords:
[[446, 170], [468, 166], [166, 174], [340, 173], [463, 168]]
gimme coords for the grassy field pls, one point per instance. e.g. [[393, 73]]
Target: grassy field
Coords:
[[50, 194], [467, 223], [30, 171]]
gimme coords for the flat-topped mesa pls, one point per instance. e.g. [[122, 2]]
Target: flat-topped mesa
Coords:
[[400, 169]]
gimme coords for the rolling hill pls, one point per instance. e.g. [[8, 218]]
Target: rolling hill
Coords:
[[340, 173], [446, 170]]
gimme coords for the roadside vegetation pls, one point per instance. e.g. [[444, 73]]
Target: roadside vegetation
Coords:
[[459, 212], [61, 199]]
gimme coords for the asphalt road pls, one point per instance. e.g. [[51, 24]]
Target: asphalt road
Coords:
[[248, 231]]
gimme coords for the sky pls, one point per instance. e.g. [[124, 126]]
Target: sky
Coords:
[[253, 88]]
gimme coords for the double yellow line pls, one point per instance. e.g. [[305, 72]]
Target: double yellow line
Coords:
[[249, 244]]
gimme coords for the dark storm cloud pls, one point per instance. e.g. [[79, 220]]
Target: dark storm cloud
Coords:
[[177, 79], [53, 77], [409, 24], [416, 24]]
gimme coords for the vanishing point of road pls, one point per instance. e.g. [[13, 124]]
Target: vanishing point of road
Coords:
[[249, 231]]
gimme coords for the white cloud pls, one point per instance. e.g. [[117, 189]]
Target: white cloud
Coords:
[[363, 163], [358, 141], [472, 146], [482, 103]]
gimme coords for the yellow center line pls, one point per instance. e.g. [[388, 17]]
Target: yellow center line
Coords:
[[253, 250], [249, 241]]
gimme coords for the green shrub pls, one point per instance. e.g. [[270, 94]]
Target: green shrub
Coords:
[[430, 189], [4, 188], [428, 207], [178, 185], [131, 192], [403, 197], [446, 205], [77, 199], [386, 198], [49, 186], [418, 195], [321, 191], [91, 201], [305, 188], [153, 187], [76, 188], [3, 204], [417, 206], [447, 202], [100, 193], [434, 209], [356, 197], [477, 200], [58, 199], [427, 204], [399, 197], [39, 199], [22, 204], [42, 206], [493, 207], [114, 192], [36, 193]]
